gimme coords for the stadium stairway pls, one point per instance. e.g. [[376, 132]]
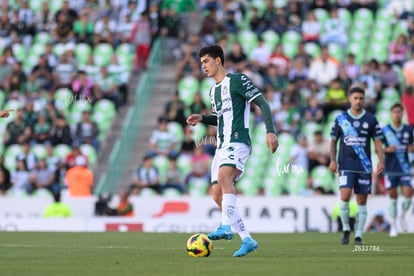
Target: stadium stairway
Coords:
[[160, 96]]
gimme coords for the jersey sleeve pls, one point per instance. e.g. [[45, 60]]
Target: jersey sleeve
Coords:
[[335, 130], [377, 130], [247, 89]]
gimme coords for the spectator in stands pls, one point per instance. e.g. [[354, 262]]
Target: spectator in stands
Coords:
[[20, 177], [20, 32], [255, 21], [52, 160], [124, 30], [173, 176], [70, 13], [336, 97], [28, 156], [398, 50], [346, 81], [106, 87], [313, 112], [287, 119], [141, 37], [373, 84], [27, 16], [323, 70], [146, 176], [5, 31], [311, 28], [198, 106], [43, 178], [5, 183], [407, 99], [388, 76], [5, 71], [75, 152], [175, 109], [408, 70], [64, 72], [79, 179], [44, 18], [209, 25], [299, 154], [352, 69], [279, 59], [83, 29], [275, 78], [125, 208], [87, 132], [83, 87], [120, 72], [400, 9], [303, 55], [320, 4], [32, 89], [16, 79], [16, 131], [170, 25], [299, 73], [335, 30], [105, 30], [57, 209], [162, 142], [188, 144], [51, 58], [378, 223], [63, 30], [41, 130], [187, 64], [269, 16], [318, 151], [260, 55], [43, 73], [237, 59]]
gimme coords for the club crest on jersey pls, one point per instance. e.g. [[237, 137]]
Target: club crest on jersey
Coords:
[[406, 135], [356, 124], [365, 125], [225, 90]]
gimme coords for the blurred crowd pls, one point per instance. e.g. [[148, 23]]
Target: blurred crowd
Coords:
[[304, 56]]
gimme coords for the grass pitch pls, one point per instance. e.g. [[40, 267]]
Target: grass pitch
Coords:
[[164, 254]]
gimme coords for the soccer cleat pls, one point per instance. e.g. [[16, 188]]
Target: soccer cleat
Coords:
[[393, 231], [358, 241], [248, 245], [345, 237], [221, 233], [403, 224]]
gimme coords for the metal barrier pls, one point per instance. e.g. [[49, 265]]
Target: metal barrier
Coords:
[[121, 152]]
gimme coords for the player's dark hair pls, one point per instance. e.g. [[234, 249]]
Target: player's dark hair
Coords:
[[356, 89], [213, 51], [397, 105]]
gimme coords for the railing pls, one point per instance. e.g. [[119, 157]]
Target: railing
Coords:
[[121, 152]]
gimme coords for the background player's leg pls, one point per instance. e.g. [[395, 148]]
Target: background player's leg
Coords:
[[344, 213], [392, 192], [407, 192], [361, 217]]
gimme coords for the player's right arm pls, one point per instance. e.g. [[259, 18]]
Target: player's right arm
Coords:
[[5, 113], [332, 165], [194, 119]]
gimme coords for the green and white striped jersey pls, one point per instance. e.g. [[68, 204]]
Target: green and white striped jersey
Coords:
[[230, 102]]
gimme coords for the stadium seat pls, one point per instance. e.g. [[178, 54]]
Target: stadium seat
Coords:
[[61, 151], [321, 15], [82, 52], [205, 86], [271, 39], [10, 154], [322, 177], [198, 186], [59, 48], [102, 54], [90, 153], [19, 51], [184, 164], [313, 49], [161, 162], [42, 38], [55, 5], [177, 130], [297, 183], [346, 15], [63, 97], [39, 150], [248, 40], [187, 87]]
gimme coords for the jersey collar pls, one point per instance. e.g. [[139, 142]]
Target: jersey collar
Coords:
[[356, 117]]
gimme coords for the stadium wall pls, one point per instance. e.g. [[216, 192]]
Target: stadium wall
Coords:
[[184, 214]]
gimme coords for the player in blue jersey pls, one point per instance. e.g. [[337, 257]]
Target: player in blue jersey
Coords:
[[354, 130], [398, 142], [230, 101]]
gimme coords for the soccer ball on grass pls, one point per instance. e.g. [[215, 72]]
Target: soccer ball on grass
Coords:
[[199, 245]]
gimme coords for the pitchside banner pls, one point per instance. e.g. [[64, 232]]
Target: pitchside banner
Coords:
[[185, 214]]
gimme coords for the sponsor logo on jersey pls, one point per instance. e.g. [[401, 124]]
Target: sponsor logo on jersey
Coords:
[[355, 141]]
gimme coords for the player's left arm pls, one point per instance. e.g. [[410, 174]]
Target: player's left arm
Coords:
[[5, 113], [271, 138], [380, 153]]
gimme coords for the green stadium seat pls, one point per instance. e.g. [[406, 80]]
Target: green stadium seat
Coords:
[[313, 49], [270, 38], [184, 164], [248, 40], [39, 150], [205, 86], [198, 186], [82, 52], [161, 162], [90, 152], [321, 15], [19, 51], [61, 151], [42, 38], [188, 86], [10, 154], [58, 49], [177, 130], [297, 183], [322, 177], [102, 54]]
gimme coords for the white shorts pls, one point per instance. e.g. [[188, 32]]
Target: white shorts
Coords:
[[234, 155]]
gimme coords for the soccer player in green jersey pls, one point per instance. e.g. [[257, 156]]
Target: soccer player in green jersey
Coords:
[[230, 101]]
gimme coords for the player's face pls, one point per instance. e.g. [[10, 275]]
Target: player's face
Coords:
[[209, 65], [357, 101], [396, 115]]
